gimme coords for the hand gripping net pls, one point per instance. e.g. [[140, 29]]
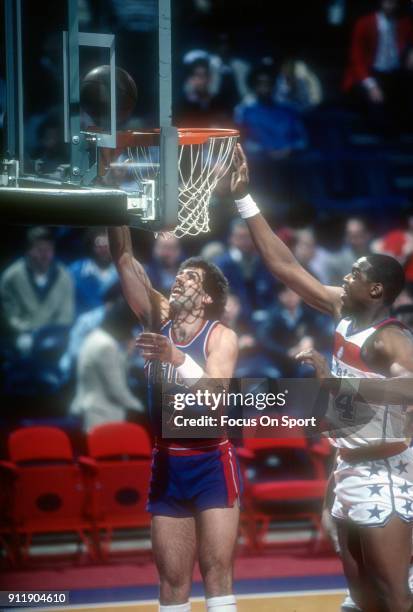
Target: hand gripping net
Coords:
[[201, 165]]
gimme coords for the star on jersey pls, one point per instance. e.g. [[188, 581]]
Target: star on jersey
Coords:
[[404, 488], [375, 489], [375, 469], [401, 467], [408, 505], [375, 512]]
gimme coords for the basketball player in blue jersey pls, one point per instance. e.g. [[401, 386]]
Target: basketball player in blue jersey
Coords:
[[373, 505], [195, 485]]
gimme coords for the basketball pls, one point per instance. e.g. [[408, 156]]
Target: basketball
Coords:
[[95, 95]]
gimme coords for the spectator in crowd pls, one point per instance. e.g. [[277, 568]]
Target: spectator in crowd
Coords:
[[94, 274], [405, 298], [380, 69], [228, 73], [84, 324], [198, 107], [247, 277], [166, 258], [212, 249], [399, 244], [312, 257], [48, 151], [36, 291], [297, 86], [357, 244], [269, 129], [102, 392], [252, 360], [292, 327], [404, 313]]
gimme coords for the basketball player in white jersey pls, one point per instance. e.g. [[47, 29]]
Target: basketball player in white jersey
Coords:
[[373, 504]]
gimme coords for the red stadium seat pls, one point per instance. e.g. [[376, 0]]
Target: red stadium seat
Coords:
[[285, 480], [120, 457], [48, 489]]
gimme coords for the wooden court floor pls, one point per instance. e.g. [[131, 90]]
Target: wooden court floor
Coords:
[[289, 602]]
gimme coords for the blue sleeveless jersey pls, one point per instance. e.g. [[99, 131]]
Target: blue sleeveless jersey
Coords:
[[162, 378]]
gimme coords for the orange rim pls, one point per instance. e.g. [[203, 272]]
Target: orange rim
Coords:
[[186, 136]]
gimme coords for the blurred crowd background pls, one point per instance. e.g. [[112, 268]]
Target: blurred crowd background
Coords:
[[322, 93]]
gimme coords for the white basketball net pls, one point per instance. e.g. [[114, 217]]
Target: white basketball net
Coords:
[[200, 168]]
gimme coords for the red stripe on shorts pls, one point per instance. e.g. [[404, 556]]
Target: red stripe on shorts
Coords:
[[230, 473]]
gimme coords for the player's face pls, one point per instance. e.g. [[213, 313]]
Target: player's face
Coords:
[[187, 293], [356, 286]]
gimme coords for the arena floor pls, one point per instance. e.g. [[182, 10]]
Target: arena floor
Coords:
[[290, 579], [328, 601]]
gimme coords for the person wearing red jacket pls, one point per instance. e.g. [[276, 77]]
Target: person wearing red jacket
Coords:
[[380, 67]]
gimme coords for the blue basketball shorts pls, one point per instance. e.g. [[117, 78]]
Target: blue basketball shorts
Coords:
[[185, 482]]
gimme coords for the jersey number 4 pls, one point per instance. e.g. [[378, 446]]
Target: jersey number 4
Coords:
[[345, 407]]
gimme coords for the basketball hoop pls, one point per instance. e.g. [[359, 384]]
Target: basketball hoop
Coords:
[[204, 157]]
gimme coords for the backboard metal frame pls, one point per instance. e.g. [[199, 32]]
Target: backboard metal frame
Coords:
[[169, 135], [14, 81], [81, 172], [101, 41]]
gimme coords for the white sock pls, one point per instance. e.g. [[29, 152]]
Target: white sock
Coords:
[[225, 603], [186, 607]]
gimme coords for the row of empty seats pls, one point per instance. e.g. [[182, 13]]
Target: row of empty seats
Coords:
[[45, 490]]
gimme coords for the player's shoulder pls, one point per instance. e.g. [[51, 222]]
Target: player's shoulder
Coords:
[[221, 333], [393, 330], [393, 339]]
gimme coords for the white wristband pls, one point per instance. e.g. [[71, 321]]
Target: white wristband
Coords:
[[247, 207], [190, 371]]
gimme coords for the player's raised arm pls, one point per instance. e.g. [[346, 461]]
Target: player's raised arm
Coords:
[[147, 303], [277, 257]]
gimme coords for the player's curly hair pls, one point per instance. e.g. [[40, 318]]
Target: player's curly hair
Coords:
[[215, 284]]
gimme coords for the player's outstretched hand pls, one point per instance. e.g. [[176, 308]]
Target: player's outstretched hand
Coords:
[[156, 346], [317, 361], [240, 175]]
